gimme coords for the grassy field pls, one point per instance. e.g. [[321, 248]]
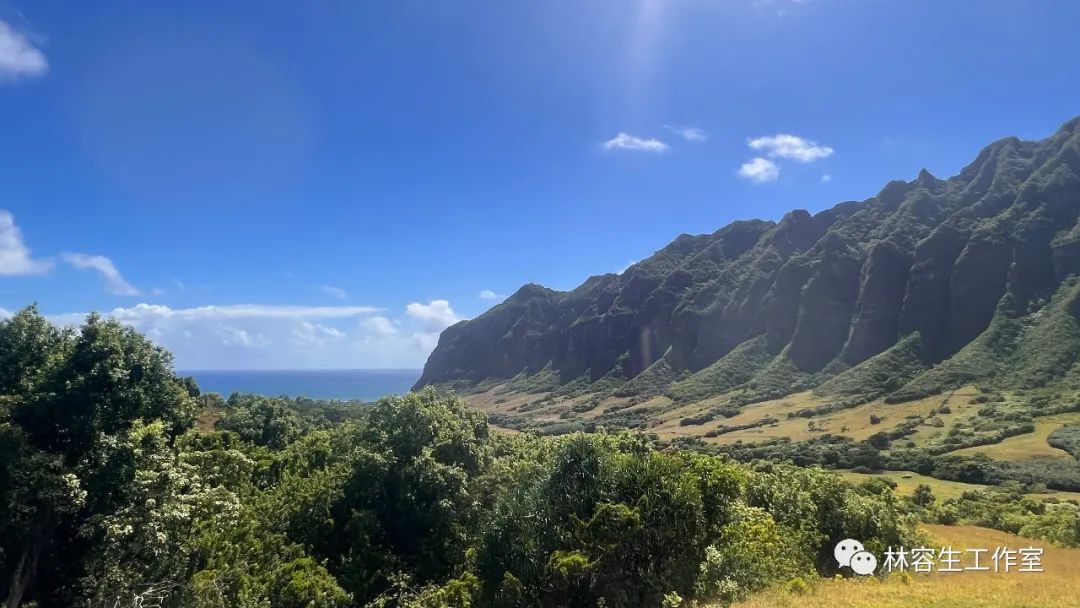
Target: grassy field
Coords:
[[853, 422], [1031, 445], [906, 482], [779, 419], [1057, 587]]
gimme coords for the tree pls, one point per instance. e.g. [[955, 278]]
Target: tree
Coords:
[[66, 398], [923, 496], [405, 503], [263, 421]]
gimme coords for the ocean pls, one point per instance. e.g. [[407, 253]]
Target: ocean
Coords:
[[364, 384]]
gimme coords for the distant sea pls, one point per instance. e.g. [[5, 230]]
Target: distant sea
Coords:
[[363, 384]]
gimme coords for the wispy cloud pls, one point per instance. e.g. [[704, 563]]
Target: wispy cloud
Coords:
[[433, 317], [380, 326], [826, 178], [487, 294], [624, 141], [790, 147], [235, 336], [19, 58], [114, 281], [783, 146], [179, 285], [436, 315], [759, 170], [336, 292], [688, 133], [240, 311], [276, 336], [15, 258], [315, 335]]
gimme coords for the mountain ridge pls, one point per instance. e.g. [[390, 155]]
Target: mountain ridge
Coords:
[[925, 268]]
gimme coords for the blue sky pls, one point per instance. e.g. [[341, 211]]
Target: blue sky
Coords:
[[329, 184]]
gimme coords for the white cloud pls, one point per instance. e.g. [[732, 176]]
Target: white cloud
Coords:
[[18, 57], [379, 326], [433, 318], [315, 335], [179, 285], [5, 313], [435, 315], [487, 294], [239, 311], [626, 266], [336, 292], [623, 141], [276, 336], [826, 178], [759, 170], [688, 133], [790, 147], [114, 282], [15, 258], [230, 336]]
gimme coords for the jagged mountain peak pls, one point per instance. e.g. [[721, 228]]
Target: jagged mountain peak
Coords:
[[820, 293]]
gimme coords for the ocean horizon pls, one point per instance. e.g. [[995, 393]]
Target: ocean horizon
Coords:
[[362, 384]]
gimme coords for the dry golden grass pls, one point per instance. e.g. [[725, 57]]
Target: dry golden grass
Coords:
[[1031, 445], [854, 422], [207, 418], [604, 404], [493, 400], [906, 482], [1057, 587], [669, 426]]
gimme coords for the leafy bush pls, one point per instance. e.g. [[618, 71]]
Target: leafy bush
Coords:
[[407, 502]]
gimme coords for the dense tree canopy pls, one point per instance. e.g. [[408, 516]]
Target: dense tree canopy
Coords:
[[113, 496]]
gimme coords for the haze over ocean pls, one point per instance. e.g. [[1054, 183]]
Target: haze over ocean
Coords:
[[364, 384]]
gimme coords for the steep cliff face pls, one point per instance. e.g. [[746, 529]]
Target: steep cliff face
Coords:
[[931, 258]]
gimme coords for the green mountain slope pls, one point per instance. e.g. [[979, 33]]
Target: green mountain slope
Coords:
[[930, 285]]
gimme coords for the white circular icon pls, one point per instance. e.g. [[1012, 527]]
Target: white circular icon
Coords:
[[863, 563], [845, 549]]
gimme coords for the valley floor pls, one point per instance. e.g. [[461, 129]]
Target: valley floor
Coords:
[[1057, 587], [965, 422], [906, 482]]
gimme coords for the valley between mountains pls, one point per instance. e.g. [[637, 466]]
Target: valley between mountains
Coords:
[[933, 328]]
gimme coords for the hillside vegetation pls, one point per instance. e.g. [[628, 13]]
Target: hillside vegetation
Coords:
[[113, 496], [933, 328], [928, 286]]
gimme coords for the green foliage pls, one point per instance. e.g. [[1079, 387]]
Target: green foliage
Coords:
[[880, 374], [977, 361], [1009, 510], [263, 421], [1052, 473], [407, 503], [71, 405], [735, 368], [1066, 438], [1051, 344], [820, 509], [923, 496], [652, 381]]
